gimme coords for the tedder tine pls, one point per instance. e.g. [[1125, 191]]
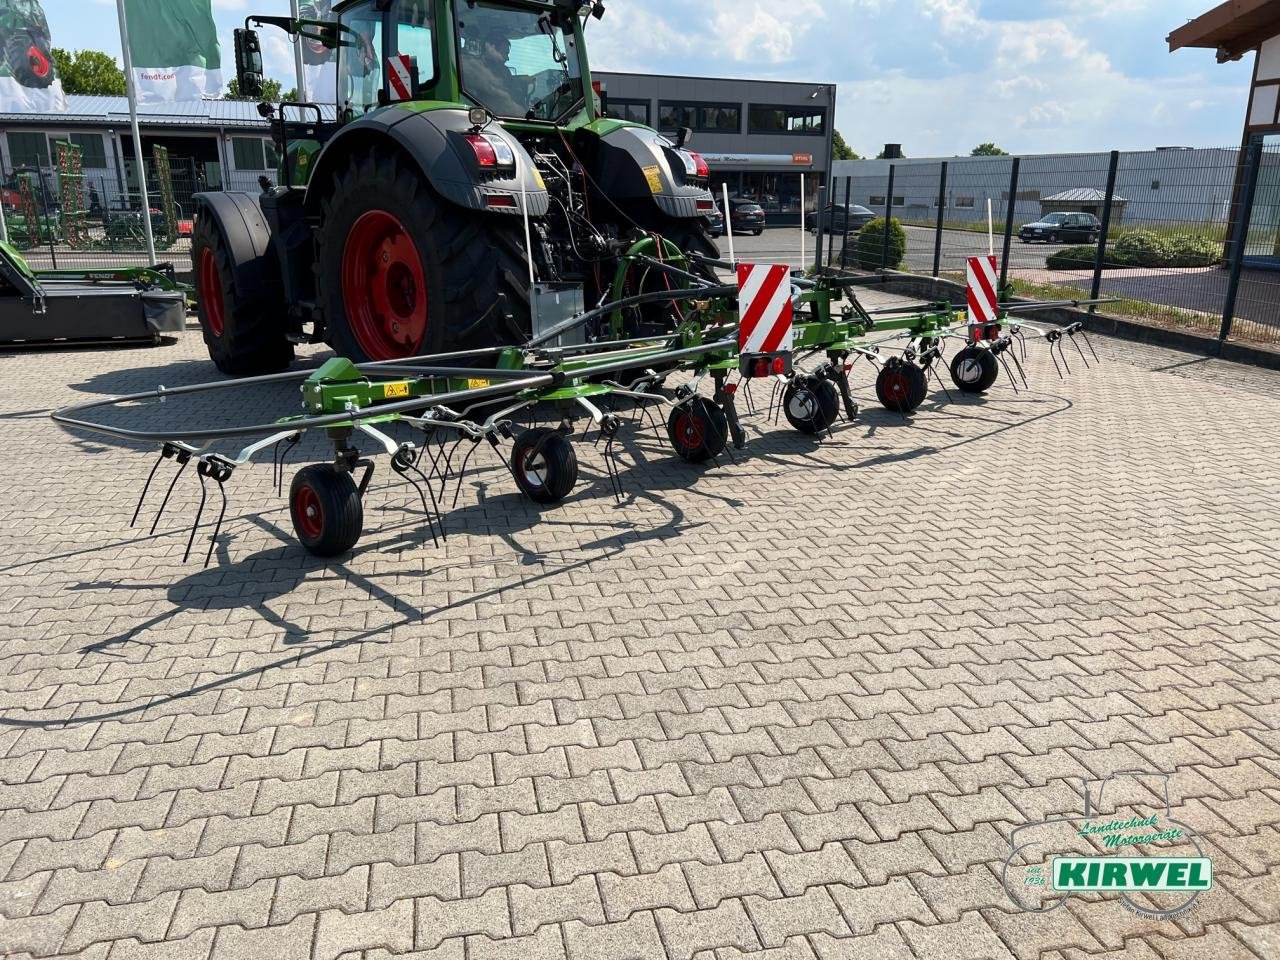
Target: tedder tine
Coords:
[[166, 453], [402, 464], [466, 461], [183, 459], [220, 473], [279, 458], [204, 493]]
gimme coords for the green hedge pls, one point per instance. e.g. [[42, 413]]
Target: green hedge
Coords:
[[869, 250], [1142, 248]]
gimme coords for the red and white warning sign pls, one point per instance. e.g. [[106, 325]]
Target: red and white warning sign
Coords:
[[400, 71], [984, 304], [764, 308]]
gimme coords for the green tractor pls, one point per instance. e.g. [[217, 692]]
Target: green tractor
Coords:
[[470, 192]]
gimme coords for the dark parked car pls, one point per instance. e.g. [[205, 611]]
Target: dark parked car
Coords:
[[1063, 228], [837, 217], [746, 216], [716, 220]]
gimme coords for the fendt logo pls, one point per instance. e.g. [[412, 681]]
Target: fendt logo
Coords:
[[1131, 874]]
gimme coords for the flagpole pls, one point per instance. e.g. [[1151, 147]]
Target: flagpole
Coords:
[[137, 134], [297, 58]]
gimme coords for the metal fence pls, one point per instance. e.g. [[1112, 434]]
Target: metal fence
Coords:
[[1186, 239]]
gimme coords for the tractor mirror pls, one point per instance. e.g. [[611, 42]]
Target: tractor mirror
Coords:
[[248, 63]]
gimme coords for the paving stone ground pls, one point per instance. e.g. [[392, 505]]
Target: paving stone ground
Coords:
[[792, 706]]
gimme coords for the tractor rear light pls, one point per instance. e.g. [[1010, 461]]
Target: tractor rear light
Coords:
[[700, 168], [762, 368], [501, 201], [706, 206], [502, 150], [779, 365], [486, 156]]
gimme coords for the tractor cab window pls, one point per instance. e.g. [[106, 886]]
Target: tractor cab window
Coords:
[[519, 63], [360, 58], [414, 20]]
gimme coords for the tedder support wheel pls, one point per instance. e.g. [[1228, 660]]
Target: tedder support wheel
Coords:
[[401, 273], [901, 386], [326, 509], [245, 335], [811, 404], [544, 465], [974, 369], [699, 430]]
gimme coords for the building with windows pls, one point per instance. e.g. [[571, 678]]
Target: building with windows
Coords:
[[758, 136]]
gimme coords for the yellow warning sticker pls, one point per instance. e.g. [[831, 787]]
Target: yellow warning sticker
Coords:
[[478, 384], [537, 176], [392, 390], [654, 176]]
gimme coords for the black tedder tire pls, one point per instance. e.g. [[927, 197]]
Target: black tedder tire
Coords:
[[810, 404], [325, 506], [544, 465], [245, 336], [901, 386], [698, 430], [401, 273], [974, 369]]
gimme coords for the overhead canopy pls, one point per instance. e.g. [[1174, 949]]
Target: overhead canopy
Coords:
[[1232, 28]]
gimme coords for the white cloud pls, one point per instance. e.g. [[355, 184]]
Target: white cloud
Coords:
[[754, 32]]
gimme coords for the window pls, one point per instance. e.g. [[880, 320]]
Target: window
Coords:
[[252, 153], [897, 201], [414, 20], [799, 120], [636, 111], [28, 149], [702, 117], [878, 201], [93, 154], [964, 201], [359, 59]]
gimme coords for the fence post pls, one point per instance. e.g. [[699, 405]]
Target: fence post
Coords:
[[1101, 258], [821, 223], [47, 217], [1252, 163], [888, 219], [942, 206], [1008, 221], [844, 247]]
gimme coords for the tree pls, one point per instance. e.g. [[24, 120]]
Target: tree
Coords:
[[988, 150], [271, 90], [841, 150], [89, 72]]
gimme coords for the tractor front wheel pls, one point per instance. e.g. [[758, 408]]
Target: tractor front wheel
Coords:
[[699, 430], [544, 465], [974, 369], [245, 335], [811, 404], [325, 506], [401, 273]]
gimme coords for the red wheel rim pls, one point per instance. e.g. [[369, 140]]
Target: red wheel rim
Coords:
[[384, 287], [896, 386], [39, 62], [308, 512], [690, 431], [211, 292]]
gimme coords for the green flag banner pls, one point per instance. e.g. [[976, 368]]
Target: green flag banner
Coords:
[[174, 45], [28, 77]]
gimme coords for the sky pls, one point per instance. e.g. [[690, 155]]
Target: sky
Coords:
[[937, 76]]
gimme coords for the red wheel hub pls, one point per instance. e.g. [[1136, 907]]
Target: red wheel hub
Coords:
[[308, 512], [896, 386], [384, 287], [39, 62], [211, 292], [690, 431]]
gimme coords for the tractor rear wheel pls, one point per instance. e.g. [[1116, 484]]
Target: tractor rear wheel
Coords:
[[325, 506], [402, 273], [974, 369], [245, 335], [811, 404], [699, 430]]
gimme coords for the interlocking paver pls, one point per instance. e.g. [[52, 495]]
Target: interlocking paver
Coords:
[[607, 736]]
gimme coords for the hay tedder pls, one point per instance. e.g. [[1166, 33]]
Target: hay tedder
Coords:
[[800, 336]]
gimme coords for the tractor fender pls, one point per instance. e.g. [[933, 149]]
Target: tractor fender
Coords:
[[433, 136], [636, 162], [248, 235]]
